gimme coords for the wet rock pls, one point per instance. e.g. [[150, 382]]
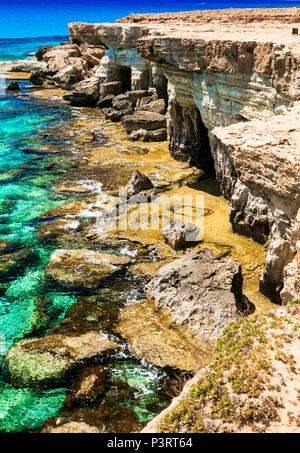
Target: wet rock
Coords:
[[56, 228], [107, 417], [83, 268], [158, 106], [180, 235], [138, 183], [72, 428], [106, 101], [99, 137], [113, 88], [200, 291], [40, 362], [15, 259], [13, 86], [144, 120], [39, 78], [29, 66], [87, 387], [159, 135]]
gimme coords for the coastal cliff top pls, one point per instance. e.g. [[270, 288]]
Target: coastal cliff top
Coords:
[[244, 16]]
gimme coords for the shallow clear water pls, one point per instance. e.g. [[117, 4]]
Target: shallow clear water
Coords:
[[29, 303]]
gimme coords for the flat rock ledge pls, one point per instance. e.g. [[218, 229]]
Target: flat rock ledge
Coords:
[[39, 362], [83, 268], [200, 291]]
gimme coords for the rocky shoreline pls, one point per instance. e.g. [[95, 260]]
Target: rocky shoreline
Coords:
[[229, 109]]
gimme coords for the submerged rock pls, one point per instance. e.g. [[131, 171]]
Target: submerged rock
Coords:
[[41, 361], [88, 386], [138, 183], [83, 268], [72, 428], [200, 291], [180, 235]]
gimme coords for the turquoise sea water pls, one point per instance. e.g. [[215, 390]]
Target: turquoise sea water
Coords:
[[25, 194]]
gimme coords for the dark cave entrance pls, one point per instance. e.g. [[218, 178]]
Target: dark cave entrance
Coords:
[[161, 85], [124, 77], [189, 140]]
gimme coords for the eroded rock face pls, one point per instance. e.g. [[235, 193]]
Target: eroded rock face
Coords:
[[200, 291], [42, 361], [83, 268], [257, 164]]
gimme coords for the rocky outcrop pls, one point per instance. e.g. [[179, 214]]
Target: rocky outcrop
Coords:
[[209, 77], [200, 291], [257, 164], [43, 361], [83, 268]]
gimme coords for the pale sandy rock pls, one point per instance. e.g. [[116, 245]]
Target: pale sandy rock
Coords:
[[83, 267], [200, 291]]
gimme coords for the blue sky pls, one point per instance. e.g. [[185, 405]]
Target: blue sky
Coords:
[[31, 18]]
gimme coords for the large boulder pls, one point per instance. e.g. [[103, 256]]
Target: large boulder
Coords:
[[109, 88], [200, 291], [40, 362], [148, 121], [158, 135], [138, 183], [83, 268], [180, 235], [158, 106], [85, 94]]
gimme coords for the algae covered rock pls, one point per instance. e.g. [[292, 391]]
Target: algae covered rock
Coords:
[[41, 361], [88, 386], [83, 268], [72, 428], [200, 291]]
